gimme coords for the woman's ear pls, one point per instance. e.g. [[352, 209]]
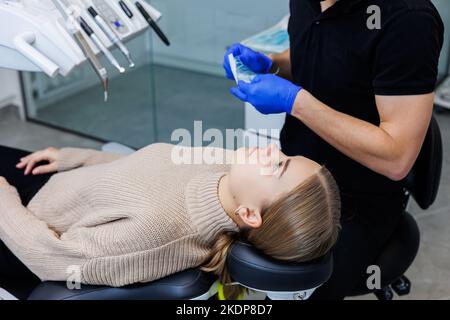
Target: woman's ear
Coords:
[[250, 217]]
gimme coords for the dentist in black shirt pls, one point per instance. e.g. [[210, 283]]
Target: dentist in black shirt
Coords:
[[357, 87]]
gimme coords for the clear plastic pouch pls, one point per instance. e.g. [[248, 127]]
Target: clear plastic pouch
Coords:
[[240, 71]]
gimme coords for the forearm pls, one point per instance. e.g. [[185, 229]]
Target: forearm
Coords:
[[33, 242], [370, 145], [282, 64], [71, 158]]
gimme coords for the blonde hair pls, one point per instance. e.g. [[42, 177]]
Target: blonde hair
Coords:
[[305, 224]]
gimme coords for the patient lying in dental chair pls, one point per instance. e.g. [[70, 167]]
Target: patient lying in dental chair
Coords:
[[120, 220]]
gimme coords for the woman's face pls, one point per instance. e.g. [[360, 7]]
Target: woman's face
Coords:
[[260, 176]]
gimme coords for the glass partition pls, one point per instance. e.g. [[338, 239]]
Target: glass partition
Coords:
[[75, 103], [170, 88]]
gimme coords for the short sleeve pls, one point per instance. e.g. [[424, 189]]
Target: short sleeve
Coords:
[[407, 55]]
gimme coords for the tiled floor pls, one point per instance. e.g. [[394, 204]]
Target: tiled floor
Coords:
[[30, 136], [430, 273]]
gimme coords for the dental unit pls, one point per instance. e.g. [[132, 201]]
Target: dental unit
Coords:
[[75, 30], [57, 36]]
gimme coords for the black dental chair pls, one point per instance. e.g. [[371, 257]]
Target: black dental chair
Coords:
[[422, 184], [281, 280], [277, 279]]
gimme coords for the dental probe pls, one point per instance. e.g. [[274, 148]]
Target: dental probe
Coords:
[[100, 45], [111, 35]]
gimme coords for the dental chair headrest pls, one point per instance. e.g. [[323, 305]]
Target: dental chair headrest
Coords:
[[255, 270]]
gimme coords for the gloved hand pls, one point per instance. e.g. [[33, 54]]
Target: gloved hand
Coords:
[[257, 62], [268, 93]]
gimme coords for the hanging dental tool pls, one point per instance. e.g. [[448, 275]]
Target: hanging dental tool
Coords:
[[111, 35], [100, 45], [69, 13], [152, 23]]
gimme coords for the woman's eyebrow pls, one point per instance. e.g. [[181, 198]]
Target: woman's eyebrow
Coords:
[[286, 164]]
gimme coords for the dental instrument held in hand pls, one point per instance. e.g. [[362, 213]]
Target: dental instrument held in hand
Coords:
[[69, 14], [152, 23], [111, 35], [100, 45]]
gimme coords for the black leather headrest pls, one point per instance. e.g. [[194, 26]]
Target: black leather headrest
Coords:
[[424, 179], [255, 270]]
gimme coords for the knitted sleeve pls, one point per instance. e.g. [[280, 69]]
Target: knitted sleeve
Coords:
[[71, 158], [103, 251], [43, 251]]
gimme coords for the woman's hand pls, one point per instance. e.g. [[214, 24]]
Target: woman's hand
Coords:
[[29, 162]]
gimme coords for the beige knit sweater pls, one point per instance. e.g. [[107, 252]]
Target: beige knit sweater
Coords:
[[118, 220]]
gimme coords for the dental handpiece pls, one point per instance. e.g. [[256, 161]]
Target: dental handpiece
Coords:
[[152, 23], [74, 29], [93, 60], [100, 45], [125, 9], [111, 35]]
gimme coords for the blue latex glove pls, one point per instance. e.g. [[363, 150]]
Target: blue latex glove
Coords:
[[257, 62], [268, 93]]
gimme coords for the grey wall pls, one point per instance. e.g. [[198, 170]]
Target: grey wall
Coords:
[[200, 30]]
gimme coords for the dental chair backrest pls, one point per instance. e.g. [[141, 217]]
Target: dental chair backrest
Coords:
[[424, 179]]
